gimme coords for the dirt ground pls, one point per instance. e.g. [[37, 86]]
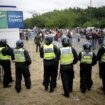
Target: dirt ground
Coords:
[[38, 96]]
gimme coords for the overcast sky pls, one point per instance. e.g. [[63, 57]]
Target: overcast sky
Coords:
[[41, 6]]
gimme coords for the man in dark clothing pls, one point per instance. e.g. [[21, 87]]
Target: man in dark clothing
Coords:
[[70, 38], [5, 62], [49, 53], [101, 59], [94, 40], [68, 57], [22, 61], [37, 41], [87, 60], [101, 38]]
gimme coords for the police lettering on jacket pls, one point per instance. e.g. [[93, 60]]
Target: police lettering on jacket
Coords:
[[86, 57], [49, 52], [19, 55]]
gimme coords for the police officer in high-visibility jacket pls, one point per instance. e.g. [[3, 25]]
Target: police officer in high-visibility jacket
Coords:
[[22, 61], [5, 62], [49, 53], [101, 59], [68, 57], [87, 60]]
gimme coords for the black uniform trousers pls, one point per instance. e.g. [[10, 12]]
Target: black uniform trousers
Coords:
[[102, 74], [67, 75], [85, 77], [56, 70], [7, 77], [38, 47], [22, 69], [50, 74]]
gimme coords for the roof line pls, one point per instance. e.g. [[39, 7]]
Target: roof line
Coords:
[[7, 6]]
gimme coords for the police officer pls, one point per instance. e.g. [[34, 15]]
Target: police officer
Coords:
[[101, 59], [68, 57], [22, 61], [49, 53], [87, 60], [5, 63]]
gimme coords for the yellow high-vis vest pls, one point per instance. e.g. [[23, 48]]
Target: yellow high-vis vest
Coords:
[[48, 51], [87, 57], [103, 58], [4, 57], [19, 55], [66, 56]]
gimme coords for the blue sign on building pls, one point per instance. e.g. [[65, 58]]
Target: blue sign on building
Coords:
[[15, 19]]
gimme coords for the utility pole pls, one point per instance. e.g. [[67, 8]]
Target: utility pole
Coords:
[[91, 11]]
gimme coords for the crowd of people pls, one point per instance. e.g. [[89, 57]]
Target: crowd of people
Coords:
[[54, 54], [94, 35]]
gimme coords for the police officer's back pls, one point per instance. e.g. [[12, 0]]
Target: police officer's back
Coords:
[[68, 57], [49, 53], [5, 62], [101, 59], [22, 62], [87, 60]]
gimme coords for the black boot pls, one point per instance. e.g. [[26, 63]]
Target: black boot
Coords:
[[6, 86], [46, 88], [83, 91], [66, 95], [51, 90]]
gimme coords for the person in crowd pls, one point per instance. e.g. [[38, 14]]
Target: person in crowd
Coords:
[[27, 35], [37, 41], [70, 38], [101, 38]]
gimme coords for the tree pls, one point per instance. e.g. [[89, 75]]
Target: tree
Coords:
[[68, 18]]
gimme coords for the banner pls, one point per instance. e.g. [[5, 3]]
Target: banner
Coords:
[[3, 19], [15, 19]]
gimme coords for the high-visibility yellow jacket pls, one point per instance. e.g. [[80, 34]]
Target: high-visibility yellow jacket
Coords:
[[66, 56], [4, 57], [86, 57], [19, 55], [103, 58], [48, 52]]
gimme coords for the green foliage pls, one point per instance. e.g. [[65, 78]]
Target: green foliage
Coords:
[[86, 24], [28, 23], [69, 18]]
